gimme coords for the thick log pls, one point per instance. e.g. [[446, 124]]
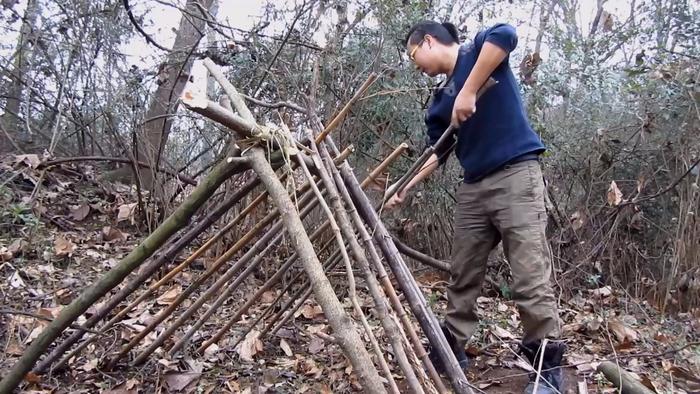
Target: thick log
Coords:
[[623, 380], [175, 222]]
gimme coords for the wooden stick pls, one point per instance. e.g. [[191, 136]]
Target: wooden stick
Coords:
[[142, 276], [223, 330], [55, 162], [350, 340], [347, 335], [343, 112], [304, 286], [384, 277], [236, 100], [389, 288], [302, 294], [190, 259], [445, 139], [243, 309], [421, 257], [408, 285], [378, 296], [212, 290], [538, 371], [381, 168], [357, 252], [162, 315], [44, 318], [211, 241], [251, 206]]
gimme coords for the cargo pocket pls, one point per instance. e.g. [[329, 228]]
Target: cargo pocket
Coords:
[[526, 206]]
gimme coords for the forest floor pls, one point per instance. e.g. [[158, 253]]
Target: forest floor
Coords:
[[78, 228]]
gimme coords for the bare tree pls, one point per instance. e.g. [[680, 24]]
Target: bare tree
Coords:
[[13, 134], [173, 73]]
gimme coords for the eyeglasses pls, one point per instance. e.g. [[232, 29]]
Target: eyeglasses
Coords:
[[412, 55]]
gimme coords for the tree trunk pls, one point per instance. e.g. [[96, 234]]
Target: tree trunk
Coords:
[[11, 135], [173, 75]]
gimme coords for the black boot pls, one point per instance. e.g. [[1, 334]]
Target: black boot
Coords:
[[551, 376], [457, 349]]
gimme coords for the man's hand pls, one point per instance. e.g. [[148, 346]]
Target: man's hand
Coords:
[[396, 200], [464, 107]]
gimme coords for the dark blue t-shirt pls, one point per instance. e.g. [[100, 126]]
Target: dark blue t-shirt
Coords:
[[498, 131]]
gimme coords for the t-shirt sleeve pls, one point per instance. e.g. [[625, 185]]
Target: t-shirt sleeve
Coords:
[[503, 35], [435, 130]]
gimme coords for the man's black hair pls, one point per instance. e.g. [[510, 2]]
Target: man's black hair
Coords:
[[446, 33]]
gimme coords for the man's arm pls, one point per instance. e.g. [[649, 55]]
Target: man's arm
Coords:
[[490, 57], [428, 168], [498, 42]]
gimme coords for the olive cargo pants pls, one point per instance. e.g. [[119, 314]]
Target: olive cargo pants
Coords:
[[507, 206]]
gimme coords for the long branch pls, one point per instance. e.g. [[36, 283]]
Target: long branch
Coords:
[[408, 284], [664, 190], [148, 38], [381, 309], [278, 104], [44, 318], [349, 339], [146, 272], [421, 257]]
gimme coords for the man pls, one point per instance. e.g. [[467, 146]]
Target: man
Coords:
[[502, 196]]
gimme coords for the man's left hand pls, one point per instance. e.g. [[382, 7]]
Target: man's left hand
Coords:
[[464, 107]]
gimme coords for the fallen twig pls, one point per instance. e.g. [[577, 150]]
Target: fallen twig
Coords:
[[51, 163], [40, 317]]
